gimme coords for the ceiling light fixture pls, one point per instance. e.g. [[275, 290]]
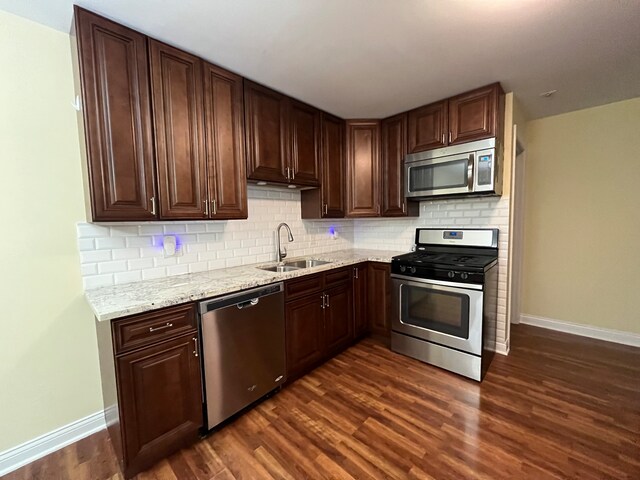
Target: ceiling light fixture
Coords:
[[548, 94]]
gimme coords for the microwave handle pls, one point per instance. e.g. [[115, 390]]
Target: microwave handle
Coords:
[[470, 167]]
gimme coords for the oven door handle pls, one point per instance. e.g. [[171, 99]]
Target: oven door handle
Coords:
[[442, 283]]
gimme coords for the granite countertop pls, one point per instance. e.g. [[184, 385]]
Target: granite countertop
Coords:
[[118, 301]]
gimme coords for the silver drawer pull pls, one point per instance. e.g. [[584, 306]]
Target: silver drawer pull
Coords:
[[155, 329]]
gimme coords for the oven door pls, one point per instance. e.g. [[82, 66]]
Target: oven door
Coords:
[[440, 176], [446, 313]]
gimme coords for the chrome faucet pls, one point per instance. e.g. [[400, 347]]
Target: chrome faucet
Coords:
[[281, 252]]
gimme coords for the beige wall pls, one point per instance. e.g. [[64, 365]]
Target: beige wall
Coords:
[[49, 372], [582, 217]]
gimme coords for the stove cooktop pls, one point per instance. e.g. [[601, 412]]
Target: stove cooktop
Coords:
[[444, 260]]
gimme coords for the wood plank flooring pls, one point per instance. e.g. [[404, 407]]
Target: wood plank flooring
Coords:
[[558, 406]]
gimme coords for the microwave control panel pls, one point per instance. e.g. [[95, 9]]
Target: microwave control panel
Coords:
[[485, 169]]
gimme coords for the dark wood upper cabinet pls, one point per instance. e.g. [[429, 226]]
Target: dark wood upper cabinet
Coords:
[[224, 126], [114, 80], [428, 127], [176, 88], [328, 201], [266, 133], [304, 133], [474, 115], [160, 400], [363, 168], [393, 142]]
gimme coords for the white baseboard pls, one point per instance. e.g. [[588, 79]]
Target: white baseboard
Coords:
[[502, 348], [606, 334], [32, 450]]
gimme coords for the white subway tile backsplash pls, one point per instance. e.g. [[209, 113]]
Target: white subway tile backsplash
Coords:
[[95, 256], [126, 253], [112, 267]]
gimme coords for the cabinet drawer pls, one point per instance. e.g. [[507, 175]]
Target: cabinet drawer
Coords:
[[337, 277], [302, 286], [151, 327]]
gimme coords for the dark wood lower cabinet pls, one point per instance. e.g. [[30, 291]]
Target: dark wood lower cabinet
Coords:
[[360, 300], [152, 393], [304, 327], [338, 318], [319, 319], [379, 298]]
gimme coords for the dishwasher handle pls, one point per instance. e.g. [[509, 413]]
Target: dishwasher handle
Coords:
[[241, 300], [249, 303]]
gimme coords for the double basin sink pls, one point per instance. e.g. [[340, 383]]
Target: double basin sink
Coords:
[[294, 265]]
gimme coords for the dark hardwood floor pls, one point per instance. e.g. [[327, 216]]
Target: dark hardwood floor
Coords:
[[559, 406]]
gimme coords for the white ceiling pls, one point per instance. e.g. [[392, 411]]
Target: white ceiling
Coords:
[[373, 58]]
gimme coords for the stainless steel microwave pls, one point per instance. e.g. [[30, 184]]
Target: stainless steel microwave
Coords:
[[471, 168]]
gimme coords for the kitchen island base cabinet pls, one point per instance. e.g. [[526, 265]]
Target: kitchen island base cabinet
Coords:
[[151, 384]]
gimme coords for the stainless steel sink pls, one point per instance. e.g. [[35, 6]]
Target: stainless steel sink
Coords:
[[280, 268], [305, 263], [294, 265]]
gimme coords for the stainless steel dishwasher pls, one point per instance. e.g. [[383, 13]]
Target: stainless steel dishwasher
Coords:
[[243, 349]]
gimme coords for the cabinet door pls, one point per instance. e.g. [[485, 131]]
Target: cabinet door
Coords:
[[265, 113], [176, 87], [379, 298], [114, 78], [304, 132], [474, 115], [363, 168], [333, 165], [338, 318], [226, 168], [304, 334], [428, 128], [160, 400], [394, 147], [360, 299]]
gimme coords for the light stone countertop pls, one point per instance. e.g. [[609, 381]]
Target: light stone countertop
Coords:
[[118, 301]]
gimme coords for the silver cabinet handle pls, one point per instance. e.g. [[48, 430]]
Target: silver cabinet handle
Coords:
[[449, 137], [214, 205], [293, 174], [195, 346], [326, 295], [443, 140], [155, 329], [322, 298], [326, 209], [287, 173], [153, 205], [355, 272], [403, 208], [206, 207]]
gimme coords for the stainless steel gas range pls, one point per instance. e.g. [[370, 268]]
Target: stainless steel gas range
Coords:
[[445, 299]]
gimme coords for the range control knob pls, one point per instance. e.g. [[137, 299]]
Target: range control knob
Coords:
[[451, 274], [403, 268], [464, 276], [412, 269]]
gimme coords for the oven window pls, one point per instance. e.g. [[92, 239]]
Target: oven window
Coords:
[[439, 176], [444, 312]]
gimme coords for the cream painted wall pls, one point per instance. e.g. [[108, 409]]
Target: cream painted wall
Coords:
[[49, 373], [582, 220]]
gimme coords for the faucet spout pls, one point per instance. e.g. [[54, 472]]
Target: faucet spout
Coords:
[[281, 252]]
